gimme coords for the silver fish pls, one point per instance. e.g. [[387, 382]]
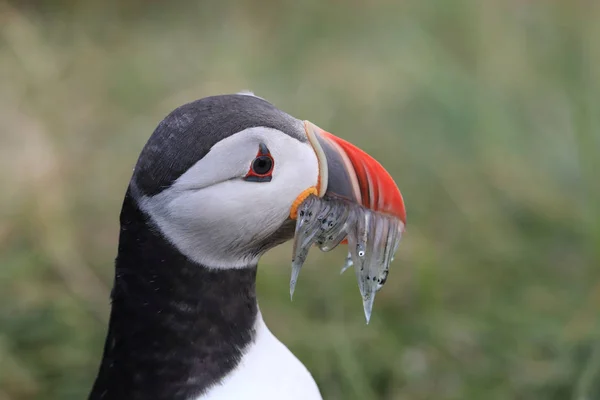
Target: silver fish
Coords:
[[373, 239]]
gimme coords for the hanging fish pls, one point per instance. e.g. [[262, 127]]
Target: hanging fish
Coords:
[[373, 238]]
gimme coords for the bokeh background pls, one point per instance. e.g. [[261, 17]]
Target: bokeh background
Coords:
[[485, 112]]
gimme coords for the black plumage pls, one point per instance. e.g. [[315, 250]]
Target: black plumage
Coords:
[[176, 327]]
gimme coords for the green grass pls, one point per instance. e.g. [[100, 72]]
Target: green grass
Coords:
[[486, 113]]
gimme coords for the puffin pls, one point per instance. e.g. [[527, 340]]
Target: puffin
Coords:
[[217, 185]]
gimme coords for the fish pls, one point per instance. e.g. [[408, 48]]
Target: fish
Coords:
[[373, 238]]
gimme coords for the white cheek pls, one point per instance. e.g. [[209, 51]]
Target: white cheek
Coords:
[[216, 225]]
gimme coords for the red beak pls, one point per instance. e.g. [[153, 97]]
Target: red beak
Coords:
[[347, 172]]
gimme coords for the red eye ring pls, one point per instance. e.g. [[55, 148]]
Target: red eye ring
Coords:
[[261, 168]]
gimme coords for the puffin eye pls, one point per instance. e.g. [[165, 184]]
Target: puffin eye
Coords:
[[261, 167]]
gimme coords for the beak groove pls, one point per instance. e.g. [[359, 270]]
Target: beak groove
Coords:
[[311, 133]]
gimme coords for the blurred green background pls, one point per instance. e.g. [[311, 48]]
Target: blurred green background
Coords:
[[487, 113]]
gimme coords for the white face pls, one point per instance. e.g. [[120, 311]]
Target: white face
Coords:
[[215, 217]]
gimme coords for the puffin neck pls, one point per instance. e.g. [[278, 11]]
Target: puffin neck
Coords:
[[176, 327]]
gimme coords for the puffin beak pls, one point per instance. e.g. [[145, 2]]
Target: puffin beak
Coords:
[[347, 172]]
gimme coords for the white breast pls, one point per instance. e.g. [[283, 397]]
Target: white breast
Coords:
[[268, 371]]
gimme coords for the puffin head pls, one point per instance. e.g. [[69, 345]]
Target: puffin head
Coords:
[[221, 178]]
